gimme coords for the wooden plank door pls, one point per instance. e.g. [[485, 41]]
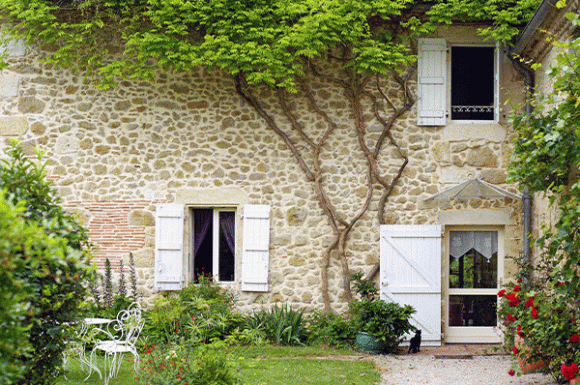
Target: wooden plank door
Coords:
[[411, 274]]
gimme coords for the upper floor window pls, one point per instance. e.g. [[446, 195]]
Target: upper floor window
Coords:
[[473, 83], [472, 93]]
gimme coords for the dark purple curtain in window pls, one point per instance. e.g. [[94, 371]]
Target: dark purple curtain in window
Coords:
[[201, 221], [227, 223]]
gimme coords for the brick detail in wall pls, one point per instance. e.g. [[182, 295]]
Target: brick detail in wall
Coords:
[[109, 229]]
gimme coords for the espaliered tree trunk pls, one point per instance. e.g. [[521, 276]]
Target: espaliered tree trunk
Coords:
[[359, 95], [272, 44]]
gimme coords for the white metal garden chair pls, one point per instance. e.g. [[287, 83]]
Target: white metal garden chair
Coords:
[[116, 339]]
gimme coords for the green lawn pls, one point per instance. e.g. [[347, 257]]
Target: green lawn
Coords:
[[272, 365]]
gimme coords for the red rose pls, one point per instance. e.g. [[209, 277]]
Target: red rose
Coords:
[[517, 288], [512, 373], [514, 299], [569, 371], [534, 313], [511, 318], [520, 280], [574, 338], [520, 333], [530, 302], [515, 350], [501, 293]]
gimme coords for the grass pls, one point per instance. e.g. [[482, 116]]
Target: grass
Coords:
[[271, 365], [75, 375]]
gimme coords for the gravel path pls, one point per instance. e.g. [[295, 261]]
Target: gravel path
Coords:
[[426, 369]]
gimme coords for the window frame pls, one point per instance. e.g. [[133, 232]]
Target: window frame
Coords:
[[216, 209], [496, 64]]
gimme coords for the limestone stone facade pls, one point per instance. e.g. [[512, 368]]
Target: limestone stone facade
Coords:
[[188, 138]]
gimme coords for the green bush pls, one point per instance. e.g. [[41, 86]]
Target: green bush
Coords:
[[280, 325], [330, 329], [50, 268], [201, 311], [388, 322]]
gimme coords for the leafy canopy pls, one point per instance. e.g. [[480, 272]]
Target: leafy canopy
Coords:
[[266, 41]]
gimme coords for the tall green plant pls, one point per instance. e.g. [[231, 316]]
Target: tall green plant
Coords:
[[546, 159], [51, 268], [281, 325]]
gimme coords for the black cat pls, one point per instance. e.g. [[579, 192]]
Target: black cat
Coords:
[[415, 343]]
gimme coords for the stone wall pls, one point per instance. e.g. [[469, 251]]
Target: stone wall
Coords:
[[189, 138]]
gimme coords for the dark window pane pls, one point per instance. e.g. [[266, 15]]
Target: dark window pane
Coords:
[[203, 242], [472, 310], [472, 83], [227, 246]]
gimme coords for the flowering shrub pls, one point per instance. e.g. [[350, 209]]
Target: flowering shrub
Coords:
[[201, 311], [546, 159], [536, 311], [188, 365]]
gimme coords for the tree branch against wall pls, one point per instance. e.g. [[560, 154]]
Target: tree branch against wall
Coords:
[[356, 47]]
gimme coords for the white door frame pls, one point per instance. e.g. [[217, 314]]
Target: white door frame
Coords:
[[471, 334]]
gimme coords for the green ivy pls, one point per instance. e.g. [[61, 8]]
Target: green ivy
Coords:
[[268, 42]]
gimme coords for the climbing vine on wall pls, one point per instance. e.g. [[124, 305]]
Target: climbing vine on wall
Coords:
[[365, 50]]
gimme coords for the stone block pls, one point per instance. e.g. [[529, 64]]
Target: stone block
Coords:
[[141, 218], [66, 144], [30, 105], [13, 48], [9, 83], [481, 157], [13, 125]]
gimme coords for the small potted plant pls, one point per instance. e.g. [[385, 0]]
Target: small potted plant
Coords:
[[381, 325]]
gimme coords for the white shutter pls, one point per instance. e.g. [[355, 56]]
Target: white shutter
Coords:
[[169, 219], [256, 248], [431, 82], [411, 274]]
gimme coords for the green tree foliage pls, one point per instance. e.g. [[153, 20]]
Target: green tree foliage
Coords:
[[362, 49], [547, 158], [266, 41], [45, 264]]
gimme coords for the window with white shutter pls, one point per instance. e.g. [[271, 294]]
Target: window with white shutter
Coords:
[[256, 248], [473, 86]]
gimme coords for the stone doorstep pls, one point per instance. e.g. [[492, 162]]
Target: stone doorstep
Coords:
[[458, 351]]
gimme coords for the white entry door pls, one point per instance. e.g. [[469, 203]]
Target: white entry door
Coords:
[[411, 274], [475, 272]]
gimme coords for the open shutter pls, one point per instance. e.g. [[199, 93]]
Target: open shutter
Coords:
[[431, 82], [411, 274], [256, 250], [169, 246]]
